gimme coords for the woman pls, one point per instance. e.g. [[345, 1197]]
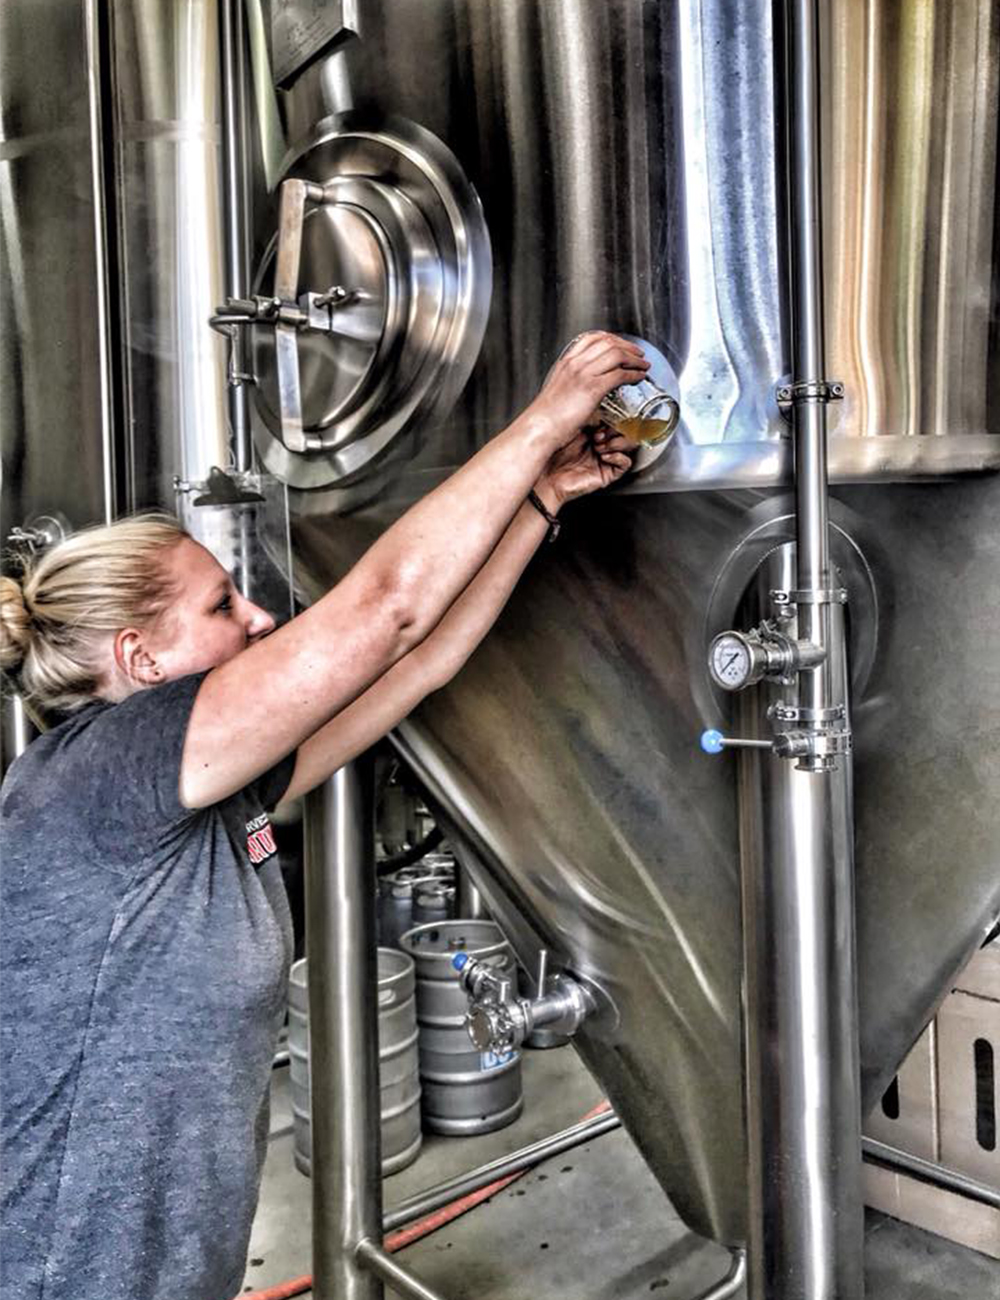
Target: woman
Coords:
[[145, 933]]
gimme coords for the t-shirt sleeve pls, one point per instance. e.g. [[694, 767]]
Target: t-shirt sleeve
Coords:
[[133, 753]]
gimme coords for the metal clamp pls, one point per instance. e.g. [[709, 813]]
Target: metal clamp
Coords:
[[808, 390], [797, 713], [816, 596], [500, 1022]]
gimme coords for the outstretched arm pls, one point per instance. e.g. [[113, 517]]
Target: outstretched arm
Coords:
[[265, 702], [578, 469]]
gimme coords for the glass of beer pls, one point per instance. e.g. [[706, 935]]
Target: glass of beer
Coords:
[[642, 413]]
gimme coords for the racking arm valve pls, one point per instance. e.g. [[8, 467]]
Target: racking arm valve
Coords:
[[498, 1021]]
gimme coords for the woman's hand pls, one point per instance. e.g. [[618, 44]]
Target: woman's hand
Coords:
[[590, 367], [594, 459]]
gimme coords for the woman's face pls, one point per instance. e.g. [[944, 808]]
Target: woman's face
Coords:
[[208, 621]]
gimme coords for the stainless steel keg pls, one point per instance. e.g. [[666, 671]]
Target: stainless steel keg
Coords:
[[434, 901], [397, 896], [399, 1075], [465, 1091]]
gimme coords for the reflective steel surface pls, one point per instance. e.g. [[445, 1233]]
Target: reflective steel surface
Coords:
[[54, 414], [167, 173], [626, 156]]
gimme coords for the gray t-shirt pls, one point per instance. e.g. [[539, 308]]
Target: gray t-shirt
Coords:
[[145, 952]]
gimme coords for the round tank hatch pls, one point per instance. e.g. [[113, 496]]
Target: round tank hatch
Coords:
[[380, 277]]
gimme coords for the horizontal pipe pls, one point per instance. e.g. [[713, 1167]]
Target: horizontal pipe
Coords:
[[374, 1258], [928, 1171], [443, 1193]]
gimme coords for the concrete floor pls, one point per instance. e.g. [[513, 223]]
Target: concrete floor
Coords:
[[592, 1224]]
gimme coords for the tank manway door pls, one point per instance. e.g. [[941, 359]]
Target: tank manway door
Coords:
[[369, 303]]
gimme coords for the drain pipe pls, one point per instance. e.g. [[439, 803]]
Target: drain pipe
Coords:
[[343, 1035], [806, 1227]]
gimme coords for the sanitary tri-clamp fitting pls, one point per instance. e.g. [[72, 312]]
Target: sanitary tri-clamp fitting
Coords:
[[498, 1021]]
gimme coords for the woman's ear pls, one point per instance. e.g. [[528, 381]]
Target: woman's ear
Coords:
[[134, 660]]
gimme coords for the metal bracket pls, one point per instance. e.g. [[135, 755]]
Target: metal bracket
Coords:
[[818, 596], [823, 746], [796, 713], [37, 535], [809, 390]]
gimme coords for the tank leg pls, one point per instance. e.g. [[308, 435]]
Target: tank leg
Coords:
[[343, 1031]]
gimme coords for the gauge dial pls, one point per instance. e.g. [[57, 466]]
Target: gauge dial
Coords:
[[731, 661]]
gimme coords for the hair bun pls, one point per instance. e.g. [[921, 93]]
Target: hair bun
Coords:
[[15, 624]]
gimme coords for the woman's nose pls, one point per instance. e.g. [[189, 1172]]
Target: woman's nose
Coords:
[[258, 622]]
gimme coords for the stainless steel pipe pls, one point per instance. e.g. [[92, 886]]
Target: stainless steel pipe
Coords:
[[236, 205], [343, 1029], [802, 1069], [808, 344], [928, 1171], [400, 1279], [731, 1283], [433, 1198]]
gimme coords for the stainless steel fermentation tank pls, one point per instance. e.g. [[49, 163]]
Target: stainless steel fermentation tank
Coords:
[[523, 170], [630, 163]]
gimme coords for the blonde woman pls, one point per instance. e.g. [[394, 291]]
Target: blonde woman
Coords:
[[145, 933]]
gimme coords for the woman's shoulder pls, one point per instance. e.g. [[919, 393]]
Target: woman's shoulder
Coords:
[[103, 734]]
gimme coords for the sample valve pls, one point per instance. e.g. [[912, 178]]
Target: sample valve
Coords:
[[498, 1021], [736, 660]]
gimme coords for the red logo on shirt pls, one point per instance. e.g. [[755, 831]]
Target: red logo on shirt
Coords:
[[260, 839]]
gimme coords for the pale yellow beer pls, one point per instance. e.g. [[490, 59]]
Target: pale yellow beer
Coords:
[[640, 418]]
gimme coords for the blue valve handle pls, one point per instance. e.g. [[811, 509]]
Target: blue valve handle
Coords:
[[460, 960], [714, 742]]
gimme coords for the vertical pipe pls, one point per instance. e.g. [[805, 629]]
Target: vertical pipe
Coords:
[[101, 305], [808, 344], [236, 220], [802, 1065], [235, 198], [796, 832], [470, 901], [343, 1034]]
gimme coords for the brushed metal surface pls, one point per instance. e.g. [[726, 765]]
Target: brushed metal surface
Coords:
[[53, 375], [165, 102], [626, 158]]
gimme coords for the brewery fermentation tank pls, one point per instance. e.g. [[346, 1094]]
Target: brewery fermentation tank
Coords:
[[479, 181], [629, 161]]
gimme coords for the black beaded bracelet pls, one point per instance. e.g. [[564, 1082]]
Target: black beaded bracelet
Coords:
[[546, 514]]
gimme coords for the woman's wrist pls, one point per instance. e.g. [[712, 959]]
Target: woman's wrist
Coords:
[[549, 495], [542, 430]]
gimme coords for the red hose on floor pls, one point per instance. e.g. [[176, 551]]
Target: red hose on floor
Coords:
[[414, 1231]]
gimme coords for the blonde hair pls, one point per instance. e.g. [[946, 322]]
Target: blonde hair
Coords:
[[98, 581]]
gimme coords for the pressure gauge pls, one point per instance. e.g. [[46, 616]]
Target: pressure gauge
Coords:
[[735, 661]]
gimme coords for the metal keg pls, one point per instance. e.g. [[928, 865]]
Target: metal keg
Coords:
[[395, 910], [399, 1074], [464, 1090], [433, 902], [397, 894]]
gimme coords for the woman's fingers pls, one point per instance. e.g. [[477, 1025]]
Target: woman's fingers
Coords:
[[594, 340]]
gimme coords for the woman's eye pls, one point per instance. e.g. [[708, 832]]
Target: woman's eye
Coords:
[[224, 606]]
